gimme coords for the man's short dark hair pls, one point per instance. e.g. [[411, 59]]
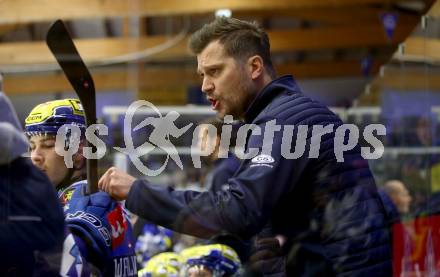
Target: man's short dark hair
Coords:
[[241, 40]]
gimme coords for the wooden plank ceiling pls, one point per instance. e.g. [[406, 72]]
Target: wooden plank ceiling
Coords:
[[414, 67], [310, 39]]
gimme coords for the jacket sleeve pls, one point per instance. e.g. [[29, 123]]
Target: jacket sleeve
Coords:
[[223, 171], [242, 208], [31, 216]]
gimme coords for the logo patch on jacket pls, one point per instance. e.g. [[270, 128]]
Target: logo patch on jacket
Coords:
[[262, 160], [66, 195], [118, 225]]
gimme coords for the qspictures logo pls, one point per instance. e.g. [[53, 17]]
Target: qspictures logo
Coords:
[[263, 144]]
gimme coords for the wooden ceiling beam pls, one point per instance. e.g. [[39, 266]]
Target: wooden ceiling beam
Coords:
[[97, 50], [409, 79], [435, 9], [335, 69], [333, 16], [6, 28], [25, 11], [92, 50], [165, 77], [338, 37], [419, 49]]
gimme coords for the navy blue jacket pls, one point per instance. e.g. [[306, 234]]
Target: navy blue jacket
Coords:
[[329, 211], [222, 170], [31, 217], [390, 207]]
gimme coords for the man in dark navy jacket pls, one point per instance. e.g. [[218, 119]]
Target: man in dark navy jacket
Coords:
[[326, 209], [31, 219]]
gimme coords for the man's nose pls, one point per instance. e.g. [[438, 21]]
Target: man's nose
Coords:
[[207, 85], [36, 157]]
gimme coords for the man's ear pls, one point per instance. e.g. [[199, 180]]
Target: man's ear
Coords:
[[256, 66]]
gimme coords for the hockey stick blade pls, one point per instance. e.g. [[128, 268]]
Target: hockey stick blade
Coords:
[[62, 47]]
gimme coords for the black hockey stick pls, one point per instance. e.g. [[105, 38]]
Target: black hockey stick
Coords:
[[61, 45]]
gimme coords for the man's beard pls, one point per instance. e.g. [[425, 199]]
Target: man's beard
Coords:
[[248, 93]]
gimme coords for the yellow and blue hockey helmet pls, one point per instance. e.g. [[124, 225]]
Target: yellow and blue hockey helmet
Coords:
[[48, 117], [218, 258], [167, 264]]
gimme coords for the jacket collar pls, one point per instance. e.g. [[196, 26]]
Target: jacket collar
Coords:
[[269, 92]]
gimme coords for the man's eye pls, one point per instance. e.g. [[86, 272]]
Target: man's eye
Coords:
[[49, 144]]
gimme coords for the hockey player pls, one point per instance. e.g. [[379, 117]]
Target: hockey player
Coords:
[[98, 240]]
